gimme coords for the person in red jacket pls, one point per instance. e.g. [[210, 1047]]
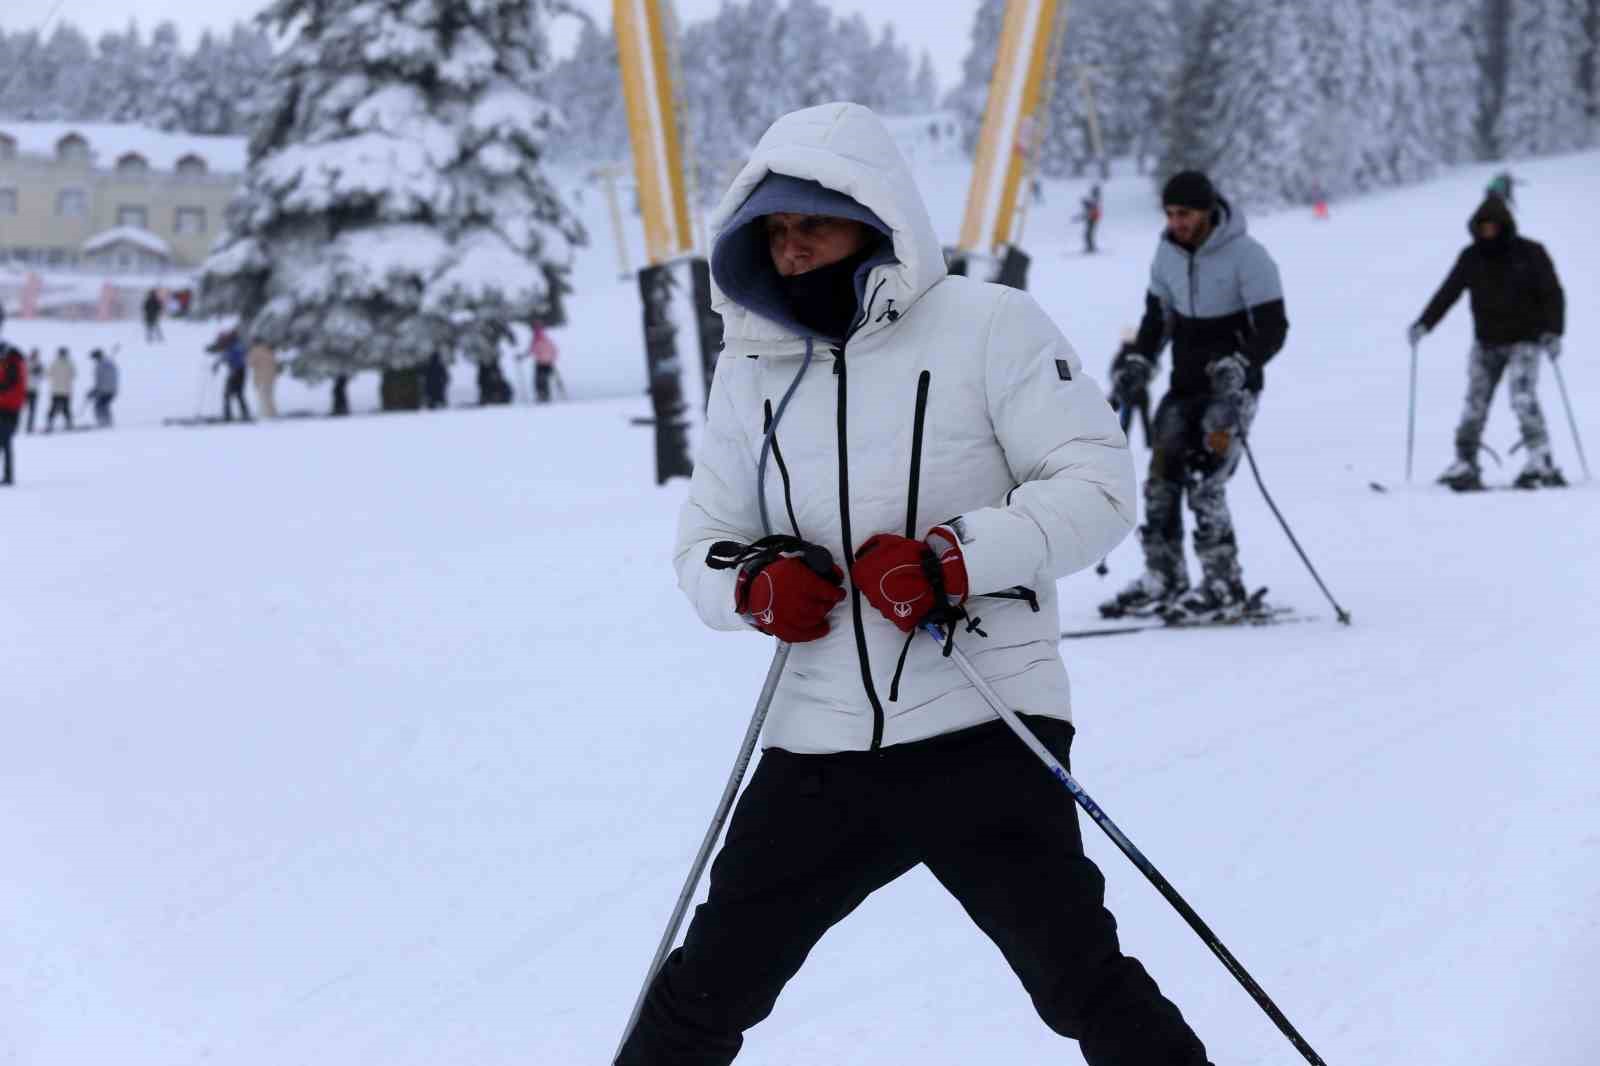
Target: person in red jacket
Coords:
[[13, 394]]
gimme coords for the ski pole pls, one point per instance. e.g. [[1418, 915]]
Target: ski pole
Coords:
[[1411, 419], [1146, 867], [1571, 421], [1342, 614], [724, 806]]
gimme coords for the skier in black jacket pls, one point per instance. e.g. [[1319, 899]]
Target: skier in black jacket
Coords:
[[1518, 310]]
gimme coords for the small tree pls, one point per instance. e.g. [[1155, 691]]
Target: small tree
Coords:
[[394, 205]]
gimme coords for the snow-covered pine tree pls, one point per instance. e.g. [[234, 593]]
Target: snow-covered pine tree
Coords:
[[1542, 109], [589, 86], [1250, 111], [967, 98], [1068, 145], [164, 97], [394, 204], [883, 82], [925, 85], [1447, 67], [1143, 52]]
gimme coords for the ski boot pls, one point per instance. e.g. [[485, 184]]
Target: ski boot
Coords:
[[1214, 600], [1540, 473], [1147, 594], [1462, 476]]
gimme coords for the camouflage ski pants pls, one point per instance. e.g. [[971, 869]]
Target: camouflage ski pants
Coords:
[[1485, 366], [1180, 462]]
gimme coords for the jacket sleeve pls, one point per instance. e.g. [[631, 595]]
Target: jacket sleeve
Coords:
[[10, 373], [1154, 327], [1454, 285], [1261, 290], [721, 506], [1074, 498], [1552, 300]]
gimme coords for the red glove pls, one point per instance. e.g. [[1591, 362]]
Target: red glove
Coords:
[[787, 598], [905, 579]]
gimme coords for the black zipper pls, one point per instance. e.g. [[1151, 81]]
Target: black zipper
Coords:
[[783, 471], [844, 527]]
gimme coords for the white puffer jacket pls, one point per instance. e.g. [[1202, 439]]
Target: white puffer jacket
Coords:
[[1018, 443]]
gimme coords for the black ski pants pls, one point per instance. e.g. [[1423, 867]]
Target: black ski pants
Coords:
[[233, 389], [59, 405], [8, 426], [814, 835]]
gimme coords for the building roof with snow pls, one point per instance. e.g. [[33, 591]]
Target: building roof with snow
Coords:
[[110, 142], [131, 235]]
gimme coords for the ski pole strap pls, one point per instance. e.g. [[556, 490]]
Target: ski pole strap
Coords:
[[751, 559]]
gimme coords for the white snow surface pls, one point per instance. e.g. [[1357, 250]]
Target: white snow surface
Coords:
[[389, 739]]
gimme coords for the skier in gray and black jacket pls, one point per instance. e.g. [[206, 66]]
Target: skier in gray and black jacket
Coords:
[[1216, 295]]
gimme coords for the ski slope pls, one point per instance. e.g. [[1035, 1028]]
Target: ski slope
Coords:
[[388, 740]]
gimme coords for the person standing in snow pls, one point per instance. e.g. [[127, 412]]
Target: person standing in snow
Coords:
[[62, 375], [263, 365], [888, 393], [36, 374], [1518, 311], [1215, 294], [104, 389], [435, 382], [13, 394], [230, 351], [544, 353], [152, 317], [1089, 215]]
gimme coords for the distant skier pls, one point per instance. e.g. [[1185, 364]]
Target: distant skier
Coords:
[[435, 382], [1089, 215], [544, 353], [1518, 310], [230, 351], [36, 375], [1215, 293], [152, 317], [63, 375], [104, 389], [13, 394]]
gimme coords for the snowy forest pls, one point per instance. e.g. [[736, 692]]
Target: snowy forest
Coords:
[[217, 87], [1281, 99]]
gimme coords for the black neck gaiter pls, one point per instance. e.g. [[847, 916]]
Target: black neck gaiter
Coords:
[[824, 299]]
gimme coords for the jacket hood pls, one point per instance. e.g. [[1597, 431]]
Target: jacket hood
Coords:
[[1493, 209], [741, 262], [845, 158], [1227, 225]]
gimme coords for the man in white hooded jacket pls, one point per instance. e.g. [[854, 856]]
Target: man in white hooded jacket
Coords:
[[862, 392]]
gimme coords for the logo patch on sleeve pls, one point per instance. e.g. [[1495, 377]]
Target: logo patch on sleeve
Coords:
[[1063, 371]]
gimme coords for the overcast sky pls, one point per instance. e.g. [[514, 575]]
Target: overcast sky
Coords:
[[941, 28]]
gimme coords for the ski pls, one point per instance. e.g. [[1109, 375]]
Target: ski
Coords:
[[1379, 487], [1269, 616]]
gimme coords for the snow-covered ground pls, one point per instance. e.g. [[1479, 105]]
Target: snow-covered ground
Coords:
[[389, 740]]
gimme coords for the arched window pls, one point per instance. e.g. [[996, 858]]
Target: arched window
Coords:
[[133, 163], [191, 165], [72, 148]]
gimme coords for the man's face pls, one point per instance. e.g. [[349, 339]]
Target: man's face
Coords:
[[1488, 229], [802, 243], [1188, 225]]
